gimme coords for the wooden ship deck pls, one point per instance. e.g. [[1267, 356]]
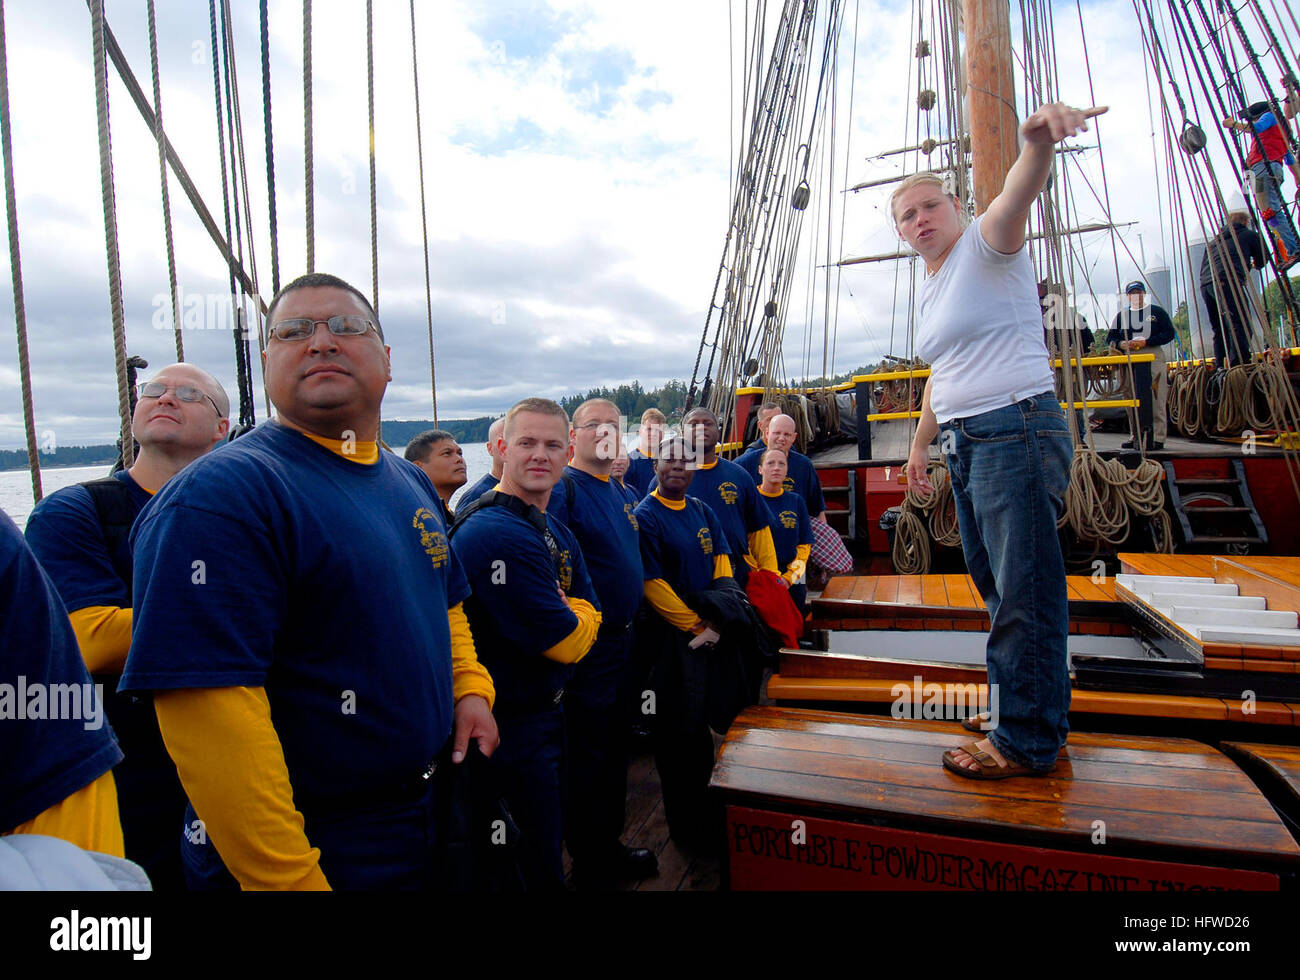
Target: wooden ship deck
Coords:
[[823, 801]]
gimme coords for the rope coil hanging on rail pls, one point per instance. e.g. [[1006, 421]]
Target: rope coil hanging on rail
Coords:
[[911, 552]]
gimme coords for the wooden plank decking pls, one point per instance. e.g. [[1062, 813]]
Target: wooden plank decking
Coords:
[[1158, 799], [679, 869]]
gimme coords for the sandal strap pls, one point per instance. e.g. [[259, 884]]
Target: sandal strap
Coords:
[[982, 758]]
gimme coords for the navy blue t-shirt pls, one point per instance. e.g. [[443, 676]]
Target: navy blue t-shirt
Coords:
[[515, 612], [65, 533], [274, 562], [640, 472], [791, 525], [733, 497], [476, 489], [43, 759], [679, 546], [602, 520], [801, 476]]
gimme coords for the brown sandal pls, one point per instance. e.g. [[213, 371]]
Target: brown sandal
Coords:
[[974, 722], [988, 766]]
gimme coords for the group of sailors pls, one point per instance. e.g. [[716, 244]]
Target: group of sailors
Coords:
[[300, 645]]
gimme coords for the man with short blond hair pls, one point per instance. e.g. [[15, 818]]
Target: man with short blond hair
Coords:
[[535, 615], [641, 461], [600, 514], [80, 534]]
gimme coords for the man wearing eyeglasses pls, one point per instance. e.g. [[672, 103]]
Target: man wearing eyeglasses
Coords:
[[299, 624], [80, 534], [599, 513]]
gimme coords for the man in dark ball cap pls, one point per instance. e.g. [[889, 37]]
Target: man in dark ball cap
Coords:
[[1146, 327]]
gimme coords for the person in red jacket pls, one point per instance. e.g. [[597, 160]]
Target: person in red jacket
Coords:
[[1269, 150]]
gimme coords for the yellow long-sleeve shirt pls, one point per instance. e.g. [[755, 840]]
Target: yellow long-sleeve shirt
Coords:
[[87, 818]]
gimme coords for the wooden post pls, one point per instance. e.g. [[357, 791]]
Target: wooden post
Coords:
[[992, 90], [862, 398]]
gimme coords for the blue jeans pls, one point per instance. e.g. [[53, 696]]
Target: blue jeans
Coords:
[[1009, 470], [1269, 177]]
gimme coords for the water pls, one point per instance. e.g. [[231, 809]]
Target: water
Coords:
[[16, 485]]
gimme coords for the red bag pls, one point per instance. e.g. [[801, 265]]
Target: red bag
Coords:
[[768, 594]]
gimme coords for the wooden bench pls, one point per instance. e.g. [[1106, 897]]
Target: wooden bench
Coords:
[[882, 689], [945, 602], [823, 800], [1276, 768]]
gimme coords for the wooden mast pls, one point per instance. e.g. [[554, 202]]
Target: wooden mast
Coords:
[[992, 91]]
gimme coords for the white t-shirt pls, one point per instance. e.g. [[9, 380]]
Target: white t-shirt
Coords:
[[981, 329]]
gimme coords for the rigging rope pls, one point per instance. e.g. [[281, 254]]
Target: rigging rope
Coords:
[[16, 270], [424, 220], [110, 230], [370, 103], [242, 380], [307, 163], [162, 174], [270, 144], [237, 149]]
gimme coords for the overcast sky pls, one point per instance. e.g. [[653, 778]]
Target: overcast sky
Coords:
[[576, 159]]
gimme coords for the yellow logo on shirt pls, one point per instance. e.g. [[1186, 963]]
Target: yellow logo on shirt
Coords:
[[728, 492], [788, 483], [434, 542], [789, 519], [631, 517], [706, 541], [566, 570]]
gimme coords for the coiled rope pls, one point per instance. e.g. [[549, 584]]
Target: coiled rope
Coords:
[[1103, 492], [110, 229], [911, 552], [16, 269]]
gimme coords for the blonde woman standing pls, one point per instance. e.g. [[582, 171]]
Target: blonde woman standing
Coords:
[[1005, 439]]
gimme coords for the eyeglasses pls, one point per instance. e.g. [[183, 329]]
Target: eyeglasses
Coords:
[[339, 326], [156, 389]]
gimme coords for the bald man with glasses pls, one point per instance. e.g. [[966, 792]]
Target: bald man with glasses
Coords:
[[80, 535]]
